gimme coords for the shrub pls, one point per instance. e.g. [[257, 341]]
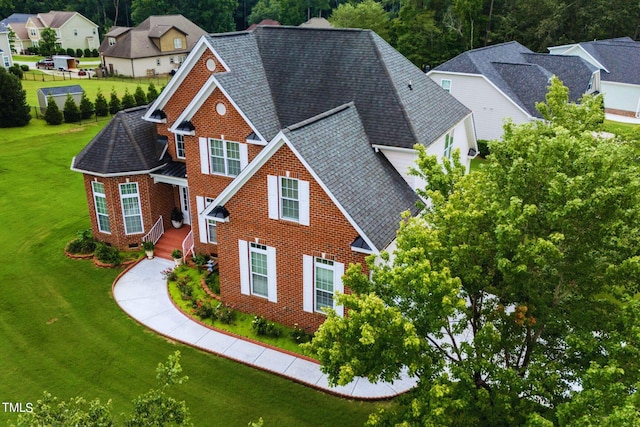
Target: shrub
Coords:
[[86, 53], [71, 111], [152, 93], [107, 254], [86, 107], [184, 286], [299, 335], [213, 283], [70, 51], [224, 314], [483, 147], [114, 102], [95, 53], [16, 71], [139, 96], [205, 310], [83, 244], [79, 53], [14, 110], [262, 327], [24, 67], [52, 115], [128, 101], [101, 105]]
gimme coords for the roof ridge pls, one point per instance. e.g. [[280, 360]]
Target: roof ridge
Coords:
[[320, 116]]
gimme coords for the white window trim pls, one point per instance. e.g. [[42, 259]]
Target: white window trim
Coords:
[[177, 43], [102, 195], [205, 156], [131, 196], [179, 138], [448, 82], [246, 285], [309, 284], [448, 144], [203, 221], [274, 200], [282, 198]]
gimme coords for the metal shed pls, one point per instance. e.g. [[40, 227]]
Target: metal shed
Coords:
[[59, 95]]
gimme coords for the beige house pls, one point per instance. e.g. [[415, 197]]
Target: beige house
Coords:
[[157, 46], [17, 23], [73, 30]]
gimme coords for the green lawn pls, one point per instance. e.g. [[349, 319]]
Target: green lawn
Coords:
[[61, 331]]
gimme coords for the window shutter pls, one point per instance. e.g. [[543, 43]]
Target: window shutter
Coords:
[[243, 250], [274, 203], [202, 222], [307, 283], [244, 155], [204, 155], [303, 198], [338, 272], [272, 275]]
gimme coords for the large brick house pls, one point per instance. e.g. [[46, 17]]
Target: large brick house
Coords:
[[287, 150]]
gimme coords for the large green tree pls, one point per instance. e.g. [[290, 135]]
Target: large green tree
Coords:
[[48, 42], [14, 110], [369, 14], [513, 289]]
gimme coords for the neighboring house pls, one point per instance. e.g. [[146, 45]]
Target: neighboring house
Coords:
[[619, 64], [264, 22], [287, 150], [505, 81], [59, 95], [17, 22], [73, 31], [157, 46], [6, 57]]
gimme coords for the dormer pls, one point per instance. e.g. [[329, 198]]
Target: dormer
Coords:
[[168, 38]]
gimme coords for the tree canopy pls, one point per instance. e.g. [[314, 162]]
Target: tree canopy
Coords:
[[14, 110], [513, 295]]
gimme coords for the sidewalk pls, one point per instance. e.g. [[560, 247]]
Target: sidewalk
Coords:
[[142, 293]]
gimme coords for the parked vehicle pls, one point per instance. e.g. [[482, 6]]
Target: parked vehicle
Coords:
[[46, 63]]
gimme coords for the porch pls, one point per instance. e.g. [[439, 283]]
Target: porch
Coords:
[[173, 238]]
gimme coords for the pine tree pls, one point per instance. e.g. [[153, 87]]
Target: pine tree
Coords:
[[128, 101], [52, 115], [114, 103], [71, 112], [152, 93], [140, 96], [86, 107], [14, 110], [102, 107]]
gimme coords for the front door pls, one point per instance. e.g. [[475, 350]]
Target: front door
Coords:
[[184, 204]]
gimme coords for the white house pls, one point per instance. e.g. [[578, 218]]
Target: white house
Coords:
[[619, 64], [73, 31], [6, 59], [506, 80]]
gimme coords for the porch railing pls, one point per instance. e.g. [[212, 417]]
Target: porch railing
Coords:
[[156, 231], [187, 245]]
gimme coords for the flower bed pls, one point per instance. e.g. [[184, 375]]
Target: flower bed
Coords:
[[187, 290]]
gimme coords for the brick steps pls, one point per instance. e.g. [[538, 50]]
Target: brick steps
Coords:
[[170, 240]]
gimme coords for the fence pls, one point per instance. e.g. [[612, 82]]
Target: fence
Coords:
[[56, 76]]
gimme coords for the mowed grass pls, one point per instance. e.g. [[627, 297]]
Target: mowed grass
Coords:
[[61, 331]]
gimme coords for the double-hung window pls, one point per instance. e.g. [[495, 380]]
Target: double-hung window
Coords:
[[323, 283], [180, 146], [177, 43], [448, 144], [212, 231], [100, 202], [288, 199], [258, 270], [322, 278], [207, 227], [225, 157], [131, 210]]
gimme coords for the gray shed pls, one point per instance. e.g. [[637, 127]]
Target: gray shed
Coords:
[[59, 95]]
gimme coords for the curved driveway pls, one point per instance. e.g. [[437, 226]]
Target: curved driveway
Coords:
[[142, 293]]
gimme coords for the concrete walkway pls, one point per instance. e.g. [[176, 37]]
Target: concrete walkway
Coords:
[[142, 293]]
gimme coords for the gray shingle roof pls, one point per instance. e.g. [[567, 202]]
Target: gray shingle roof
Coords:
[[136, 42], [17, 18], [309, 71], [522, 74], [127, 144], [61, 90], [363, 181], [620, 56]]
